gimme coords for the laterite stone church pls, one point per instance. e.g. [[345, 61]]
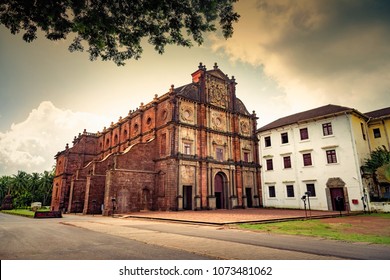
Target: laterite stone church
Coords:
[[192, 148]]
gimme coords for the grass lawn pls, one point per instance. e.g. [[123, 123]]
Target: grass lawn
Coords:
[[319, 228], [23, 212]]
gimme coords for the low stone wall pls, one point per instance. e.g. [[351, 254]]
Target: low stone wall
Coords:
[[380, 206], [49, 214]]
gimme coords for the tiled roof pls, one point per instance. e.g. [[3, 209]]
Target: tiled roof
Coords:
[[385, 112], [323, 111], [240, 107], [189, 91]]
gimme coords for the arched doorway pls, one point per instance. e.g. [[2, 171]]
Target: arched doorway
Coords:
[[337, 194], [220, 191]]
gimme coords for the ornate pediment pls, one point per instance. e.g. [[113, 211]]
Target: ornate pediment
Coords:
[[217, 93], [219, 74]]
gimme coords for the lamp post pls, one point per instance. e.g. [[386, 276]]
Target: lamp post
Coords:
[[304, 204], [308, 202], [113, 205], [365, 201]]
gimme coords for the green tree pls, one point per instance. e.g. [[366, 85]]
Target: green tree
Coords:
[[33, 185], [378, 158], [5, 186], [113, 29], [21, 191], [45, 187]]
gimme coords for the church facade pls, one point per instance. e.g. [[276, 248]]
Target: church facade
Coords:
[[192, 148]]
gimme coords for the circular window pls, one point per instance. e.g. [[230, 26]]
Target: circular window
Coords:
[[136, 127], [149, 121]]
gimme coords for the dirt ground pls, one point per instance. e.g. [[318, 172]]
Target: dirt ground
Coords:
[[365, 224]]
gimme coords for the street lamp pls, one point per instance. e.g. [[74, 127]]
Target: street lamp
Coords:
[[308, 202], [365, 201], [304, 203]]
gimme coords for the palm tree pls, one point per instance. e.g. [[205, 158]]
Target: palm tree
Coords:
[[45, 186], [33, 186], [20, 190]]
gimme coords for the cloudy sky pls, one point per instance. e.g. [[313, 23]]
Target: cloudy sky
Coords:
[[286, 56]]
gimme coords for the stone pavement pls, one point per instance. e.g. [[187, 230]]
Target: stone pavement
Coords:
[[223, 217]]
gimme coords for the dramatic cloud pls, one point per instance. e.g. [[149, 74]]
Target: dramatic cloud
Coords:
[[319, 52], [32, 144]]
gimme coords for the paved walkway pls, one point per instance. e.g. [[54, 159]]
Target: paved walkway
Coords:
[[222, 217]]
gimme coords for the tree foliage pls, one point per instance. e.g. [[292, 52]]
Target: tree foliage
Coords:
[[25, 188], [379, 157], [113, 29]]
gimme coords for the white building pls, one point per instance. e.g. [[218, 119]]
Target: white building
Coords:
[[318, 151]]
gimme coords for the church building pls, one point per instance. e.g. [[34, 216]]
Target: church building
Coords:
[[192, 148]]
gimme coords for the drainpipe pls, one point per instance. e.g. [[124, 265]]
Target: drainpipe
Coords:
[[357, 164], [368, 135]]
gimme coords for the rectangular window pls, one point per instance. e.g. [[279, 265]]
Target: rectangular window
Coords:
[[327, 129], [377, 133], [287, 162], [307, 159], [246, 157], [284, 136], [311, 190], [270, 165], [304, 133], [267, 141], [290, 190], [187, 148], [362, 128], [219, 154], [331, 156], [271, 191]]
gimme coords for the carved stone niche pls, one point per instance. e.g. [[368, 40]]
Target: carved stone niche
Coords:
[[244, 127], [187, 114], [218, 121]]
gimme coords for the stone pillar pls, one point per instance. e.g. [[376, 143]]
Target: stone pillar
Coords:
[[179, 188], [233, 197], [197, 198], [70, 197]]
